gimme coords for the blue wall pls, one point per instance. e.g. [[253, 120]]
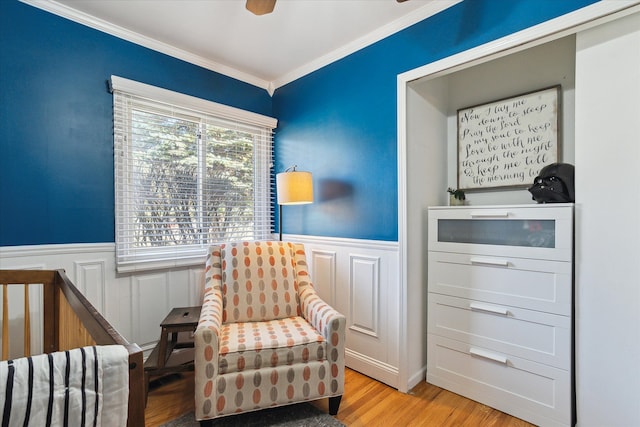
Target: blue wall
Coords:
[[340, 121], [56, 146], [56, 143]]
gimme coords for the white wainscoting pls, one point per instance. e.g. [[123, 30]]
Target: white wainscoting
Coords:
[[357, 277], [133, 303]]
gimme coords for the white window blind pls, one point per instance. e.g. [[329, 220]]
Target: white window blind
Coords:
[[188, 173]]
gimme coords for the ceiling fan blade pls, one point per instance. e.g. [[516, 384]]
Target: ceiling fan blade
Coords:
[[260, 7], [401, 1]]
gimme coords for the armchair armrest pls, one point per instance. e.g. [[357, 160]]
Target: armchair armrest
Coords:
[[211, 313], [317, 312], [320, 314], [206, 336], [332, 325]]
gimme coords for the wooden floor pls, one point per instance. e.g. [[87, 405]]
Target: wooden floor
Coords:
[[366, 402]]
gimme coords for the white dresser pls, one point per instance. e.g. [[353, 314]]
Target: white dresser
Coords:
[[500, 307]]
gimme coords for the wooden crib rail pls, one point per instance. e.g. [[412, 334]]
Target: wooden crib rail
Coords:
[[5, 322], [24, 278], [71, 321]]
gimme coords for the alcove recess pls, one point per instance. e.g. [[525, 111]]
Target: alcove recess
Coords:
[[433, 102]]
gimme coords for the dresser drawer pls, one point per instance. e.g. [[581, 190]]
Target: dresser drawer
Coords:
[[533, 284], [535, 392], [532, 335], [525, 231]]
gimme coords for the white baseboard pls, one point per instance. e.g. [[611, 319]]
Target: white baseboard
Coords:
[[372, 368], [417, 378]]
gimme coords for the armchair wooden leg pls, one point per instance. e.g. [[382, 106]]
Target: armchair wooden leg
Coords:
[[334, 404]]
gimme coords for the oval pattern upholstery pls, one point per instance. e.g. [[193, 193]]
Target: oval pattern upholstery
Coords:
[[258, 281], [265, 338]]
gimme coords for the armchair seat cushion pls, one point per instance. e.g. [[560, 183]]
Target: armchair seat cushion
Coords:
[[256, 345]]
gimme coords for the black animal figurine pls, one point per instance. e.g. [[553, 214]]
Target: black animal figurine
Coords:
[[554, 184]]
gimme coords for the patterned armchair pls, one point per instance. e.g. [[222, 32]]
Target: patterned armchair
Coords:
[[265, 338]]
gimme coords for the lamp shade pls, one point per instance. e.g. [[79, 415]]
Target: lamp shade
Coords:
[[294, 188]]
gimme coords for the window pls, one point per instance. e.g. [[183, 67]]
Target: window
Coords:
[[188, 173]]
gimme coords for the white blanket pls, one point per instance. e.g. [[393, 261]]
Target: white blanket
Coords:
[[86, 386]]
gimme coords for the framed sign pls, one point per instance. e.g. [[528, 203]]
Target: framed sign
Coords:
[[505, 143]]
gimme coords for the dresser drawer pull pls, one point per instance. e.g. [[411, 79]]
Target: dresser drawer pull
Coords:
[[490, 261], [488, 355], [489, 214], [488, 308]]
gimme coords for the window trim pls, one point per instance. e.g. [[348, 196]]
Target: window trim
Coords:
[[184, 255]]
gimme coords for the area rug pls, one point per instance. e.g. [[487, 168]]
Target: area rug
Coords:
[[298, 415]]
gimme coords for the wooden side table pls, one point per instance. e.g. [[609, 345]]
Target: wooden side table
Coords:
[[180, 319]]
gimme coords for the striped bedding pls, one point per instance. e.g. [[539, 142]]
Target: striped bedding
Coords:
[[86, 386]]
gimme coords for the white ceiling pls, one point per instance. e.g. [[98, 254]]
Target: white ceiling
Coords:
[[268, 51]]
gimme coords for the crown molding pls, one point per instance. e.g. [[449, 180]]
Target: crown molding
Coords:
[[380, 33], [148, 42], [432, 8], [270, 86]]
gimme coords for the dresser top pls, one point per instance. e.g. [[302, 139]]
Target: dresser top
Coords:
[[521, 206]]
